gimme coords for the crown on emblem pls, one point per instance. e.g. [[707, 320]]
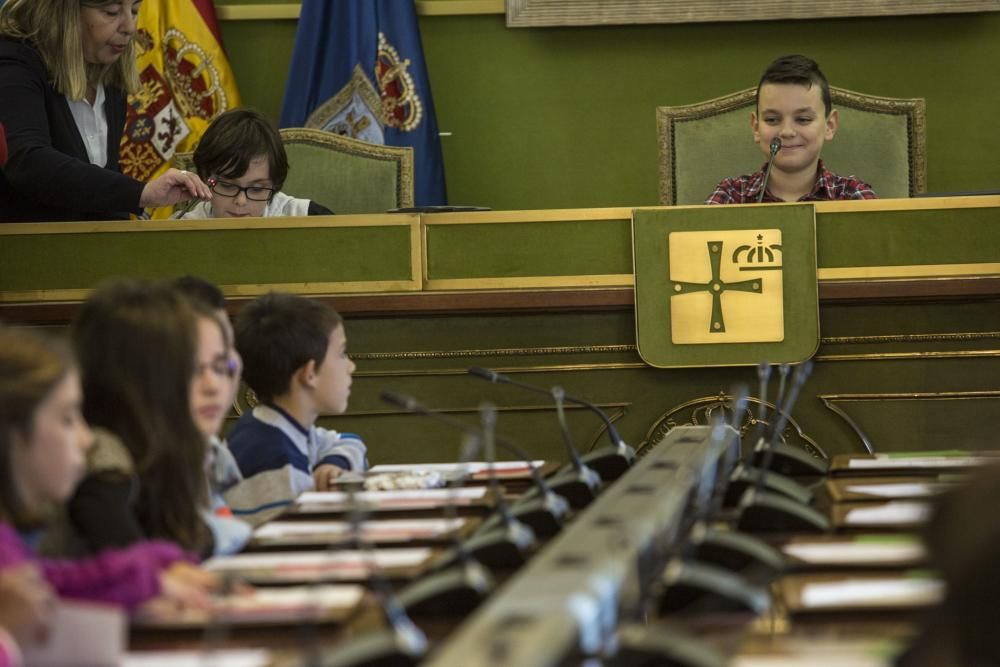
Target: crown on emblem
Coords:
[[749, 257], [193, 77], [401, 105]]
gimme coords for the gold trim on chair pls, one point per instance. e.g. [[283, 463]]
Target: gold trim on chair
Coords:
[[400, 154], [913, 108]]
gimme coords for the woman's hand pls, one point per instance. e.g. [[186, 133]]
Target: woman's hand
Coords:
[[174, 186]]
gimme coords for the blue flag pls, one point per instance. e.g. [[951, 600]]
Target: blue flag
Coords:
[[358, 70]]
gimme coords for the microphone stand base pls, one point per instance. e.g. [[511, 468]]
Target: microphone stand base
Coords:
[[737, 551], [659, 646], [789, 460], [763, 512], [452, 592], [746, 477], [610, 462], [692, 587]]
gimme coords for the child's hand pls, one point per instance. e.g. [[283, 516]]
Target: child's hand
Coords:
[[26, 602], [325, 476], [182, 586]]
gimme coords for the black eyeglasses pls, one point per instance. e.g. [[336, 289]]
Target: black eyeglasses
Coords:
[[253, 192]]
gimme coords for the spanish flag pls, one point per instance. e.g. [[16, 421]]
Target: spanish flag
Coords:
[[185, 82]]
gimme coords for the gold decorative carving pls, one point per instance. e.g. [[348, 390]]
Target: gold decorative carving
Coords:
[[700, 412], [911, 338], [896, 356], [497, 352], [553, 368]]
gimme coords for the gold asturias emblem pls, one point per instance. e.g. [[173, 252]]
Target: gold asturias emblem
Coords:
[[726, 287]]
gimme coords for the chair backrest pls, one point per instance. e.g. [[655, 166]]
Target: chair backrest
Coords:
[[347, 175], [343, 174], [881, 140]]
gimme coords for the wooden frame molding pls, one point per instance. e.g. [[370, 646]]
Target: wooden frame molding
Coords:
[[545, 13]]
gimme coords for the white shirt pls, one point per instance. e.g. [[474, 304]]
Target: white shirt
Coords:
[[93, 126], [281, 205]]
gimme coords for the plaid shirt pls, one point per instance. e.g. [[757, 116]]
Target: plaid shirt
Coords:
[[746, 189]]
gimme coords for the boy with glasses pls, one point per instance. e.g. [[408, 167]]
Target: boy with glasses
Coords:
[[243, 161]]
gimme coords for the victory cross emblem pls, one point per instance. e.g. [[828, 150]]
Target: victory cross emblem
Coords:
[[718, 297]]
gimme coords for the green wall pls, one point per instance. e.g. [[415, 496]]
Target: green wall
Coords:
[[564, 117]]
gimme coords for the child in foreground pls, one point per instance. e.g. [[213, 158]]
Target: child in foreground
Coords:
[[295, 359], [43, 441]]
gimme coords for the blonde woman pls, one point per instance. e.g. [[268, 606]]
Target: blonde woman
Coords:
[[66, 67]]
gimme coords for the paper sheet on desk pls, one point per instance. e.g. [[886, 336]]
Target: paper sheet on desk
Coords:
[[890, 462], [820, 654], [370, 530], [856, 552], [879, 593], [431, 497], [232, 658], [896, 513], [900, 489], [80, 633], [473, 467], [320, 561], [275, 604]]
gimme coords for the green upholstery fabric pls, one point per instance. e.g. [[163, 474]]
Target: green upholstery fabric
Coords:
[[347, 175], [880, 140]]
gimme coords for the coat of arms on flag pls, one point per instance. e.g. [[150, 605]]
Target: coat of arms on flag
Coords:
[[725, 285], [358, 70], [185, 82]]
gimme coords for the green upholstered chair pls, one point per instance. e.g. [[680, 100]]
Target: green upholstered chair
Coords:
[[345, 175], [880, 140]]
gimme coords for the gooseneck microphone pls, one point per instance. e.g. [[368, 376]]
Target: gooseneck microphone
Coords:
[[609, 462], [775, 147], [513, 539], [802, 373], [545, 511], [763, 511], [401, 642], [460, 589], [576, 482]]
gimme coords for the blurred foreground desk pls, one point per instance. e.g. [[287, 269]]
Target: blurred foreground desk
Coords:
[[910, 329]]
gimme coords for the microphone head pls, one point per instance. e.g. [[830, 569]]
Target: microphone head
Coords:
[[484, 373], [775, 146]]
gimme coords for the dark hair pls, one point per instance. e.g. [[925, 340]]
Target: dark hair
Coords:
[[798, 70], [136, 343], [201, 291], [277, 334], [235, 138], [30, 368]]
